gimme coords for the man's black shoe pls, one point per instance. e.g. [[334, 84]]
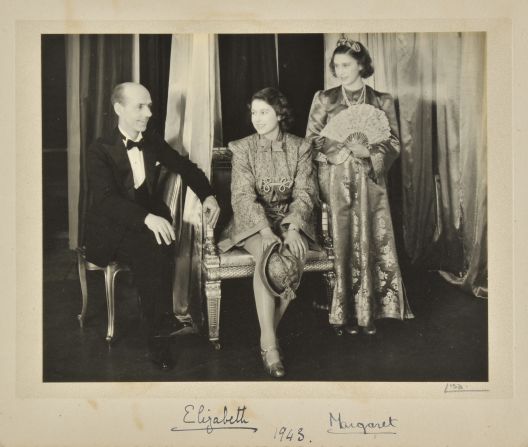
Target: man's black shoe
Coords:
[[160, 353], [171, 326]]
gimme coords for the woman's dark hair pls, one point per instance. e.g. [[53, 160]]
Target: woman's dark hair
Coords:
[[362, 57], [280, 104]]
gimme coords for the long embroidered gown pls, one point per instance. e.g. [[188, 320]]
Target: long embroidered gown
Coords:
[[368, 279]]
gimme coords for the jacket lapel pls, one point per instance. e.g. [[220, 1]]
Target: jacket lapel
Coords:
[[118, 153], [149, 160]]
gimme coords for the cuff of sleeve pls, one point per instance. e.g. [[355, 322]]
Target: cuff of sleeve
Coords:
[[206, 193], [299, 223], [377, 165], [139, 220]]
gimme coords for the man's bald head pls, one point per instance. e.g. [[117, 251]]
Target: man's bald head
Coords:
[[121, 91], [132, 104]]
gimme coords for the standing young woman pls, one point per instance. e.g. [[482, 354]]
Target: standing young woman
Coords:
[[355, 137], [273, 192]]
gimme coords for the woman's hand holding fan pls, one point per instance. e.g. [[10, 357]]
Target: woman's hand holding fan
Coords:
[[358, 127], [358, 145]]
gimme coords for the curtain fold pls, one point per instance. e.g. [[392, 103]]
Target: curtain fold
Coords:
[[472, 166], [154, 67], [438, 84], [191, 122], [73, 145]]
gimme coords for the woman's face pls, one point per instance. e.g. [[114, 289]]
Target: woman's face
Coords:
[[264, 118], [346, 68]]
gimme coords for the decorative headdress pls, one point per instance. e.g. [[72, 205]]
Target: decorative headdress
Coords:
[[352, 44]]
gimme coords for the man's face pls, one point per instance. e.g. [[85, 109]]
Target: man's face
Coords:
[[134, 110]]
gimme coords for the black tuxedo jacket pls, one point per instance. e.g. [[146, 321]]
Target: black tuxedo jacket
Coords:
[[113, 210]]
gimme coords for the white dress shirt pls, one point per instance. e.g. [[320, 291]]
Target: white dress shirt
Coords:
[[136, 160]]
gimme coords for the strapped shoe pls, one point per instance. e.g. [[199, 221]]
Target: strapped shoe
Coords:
[[275, 369]]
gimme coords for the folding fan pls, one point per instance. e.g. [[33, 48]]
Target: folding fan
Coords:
[[361, 123]]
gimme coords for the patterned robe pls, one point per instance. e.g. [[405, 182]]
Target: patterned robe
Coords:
[[369, 283], [272, 184]]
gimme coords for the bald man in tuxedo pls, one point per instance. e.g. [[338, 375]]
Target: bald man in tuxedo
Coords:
[[128, 221]]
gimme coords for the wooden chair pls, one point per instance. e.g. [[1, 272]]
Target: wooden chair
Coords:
[[237, 262], [110, 273]]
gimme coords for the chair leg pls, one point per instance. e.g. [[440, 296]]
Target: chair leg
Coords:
[[213, 294], [110, 273], [330, 280], [81, 265]]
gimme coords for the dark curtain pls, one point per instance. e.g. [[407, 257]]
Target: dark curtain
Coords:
[[301, 73], [248, 63], [105, 60], [54, 138], [154, 68], [53, 92]]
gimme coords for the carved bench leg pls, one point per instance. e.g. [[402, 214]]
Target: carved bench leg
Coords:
[[330, 280], [213, 294]]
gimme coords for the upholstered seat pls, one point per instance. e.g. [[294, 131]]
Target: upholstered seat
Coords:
[[237, 262], [239, 256]]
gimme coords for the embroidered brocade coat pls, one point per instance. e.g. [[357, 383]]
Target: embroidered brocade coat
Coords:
[[368, 278], [272, 185]]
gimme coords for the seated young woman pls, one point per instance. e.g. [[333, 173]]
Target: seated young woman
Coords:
[[273, 193]]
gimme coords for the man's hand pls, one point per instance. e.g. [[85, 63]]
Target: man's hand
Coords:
[[211, 208], [161, 228], [294, 241]]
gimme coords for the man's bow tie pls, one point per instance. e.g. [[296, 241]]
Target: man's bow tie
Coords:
[[139, 144]]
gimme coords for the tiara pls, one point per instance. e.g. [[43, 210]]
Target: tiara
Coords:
[[352, 44]]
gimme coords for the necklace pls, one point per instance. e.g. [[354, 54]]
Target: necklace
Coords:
[[360, 100]]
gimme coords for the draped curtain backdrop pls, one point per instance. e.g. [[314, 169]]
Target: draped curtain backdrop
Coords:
[[95, 63], [438, 82], [193, 128]]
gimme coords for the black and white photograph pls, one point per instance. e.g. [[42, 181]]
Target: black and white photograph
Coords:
[[281, 207], [264, 223]]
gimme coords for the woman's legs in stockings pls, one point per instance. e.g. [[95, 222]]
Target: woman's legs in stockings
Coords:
[[268, 313]]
